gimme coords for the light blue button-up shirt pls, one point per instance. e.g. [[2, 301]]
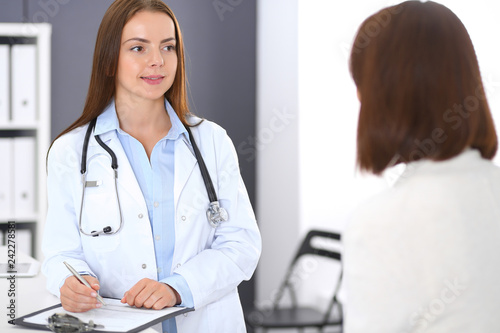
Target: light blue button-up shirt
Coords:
[[156, 180]]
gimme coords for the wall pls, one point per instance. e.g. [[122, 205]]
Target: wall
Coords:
[[278, 188], [220, 46]]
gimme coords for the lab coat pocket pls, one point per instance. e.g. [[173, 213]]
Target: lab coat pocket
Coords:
[[230, 307], [100, 211]]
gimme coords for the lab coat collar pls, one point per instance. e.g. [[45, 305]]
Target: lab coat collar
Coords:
[[184, 159], [107, 120], [184, 163]]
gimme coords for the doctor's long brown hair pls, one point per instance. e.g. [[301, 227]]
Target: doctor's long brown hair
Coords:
[[107, 49]]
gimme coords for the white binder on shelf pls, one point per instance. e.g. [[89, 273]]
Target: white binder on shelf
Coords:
[[6, 179], [4, 84], [23, 241], [24, 177], [23, 79]]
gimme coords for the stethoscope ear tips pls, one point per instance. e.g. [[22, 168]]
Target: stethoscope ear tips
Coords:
[[107, 230]]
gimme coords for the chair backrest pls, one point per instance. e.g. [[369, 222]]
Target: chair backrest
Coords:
[[308, 247]]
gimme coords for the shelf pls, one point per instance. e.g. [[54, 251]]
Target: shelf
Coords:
[[24, 130], [21, 219], [20, 127]]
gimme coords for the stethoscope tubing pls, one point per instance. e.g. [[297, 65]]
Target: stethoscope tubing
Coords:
[[215, 213], [114, 165]]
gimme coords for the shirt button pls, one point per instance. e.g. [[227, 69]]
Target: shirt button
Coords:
[[178, 265], [140, 216], [183, 218], [159, 269], [144, 266], [157, 237], [156, 204]]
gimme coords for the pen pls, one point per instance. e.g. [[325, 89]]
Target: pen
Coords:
[[82, 280]]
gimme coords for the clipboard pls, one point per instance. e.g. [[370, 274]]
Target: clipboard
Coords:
[[108, 316]]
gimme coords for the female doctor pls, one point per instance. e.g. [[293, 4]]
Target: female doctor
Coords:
[[128, 195]]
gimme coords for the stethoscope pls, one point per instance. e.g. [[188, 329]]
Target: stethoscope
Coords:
[[215, 213]]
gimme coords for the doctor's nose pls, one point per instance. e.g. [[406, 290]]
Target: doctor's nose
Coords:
[[156, 59]]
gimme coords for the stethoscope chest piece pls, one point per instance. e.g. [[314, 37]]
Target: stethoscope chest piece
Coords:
[[216, 214]]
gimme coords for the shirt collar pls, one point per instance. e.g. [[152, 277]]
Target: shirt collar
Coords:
[[108, 121]]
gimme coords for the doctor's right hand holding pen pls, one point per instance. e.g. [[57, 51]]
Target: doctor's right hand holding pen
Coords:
[[76, 297]]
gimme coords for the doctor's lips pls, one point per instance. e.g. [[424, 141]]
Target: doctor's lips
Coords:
[[153, 79]]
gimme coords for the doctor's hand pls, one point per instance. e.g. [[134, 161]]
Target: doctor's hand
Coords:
[[151, 294], [76, 297]]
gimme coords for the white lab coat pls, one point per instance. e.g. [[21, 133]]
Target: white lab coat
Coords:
[[212, 261]]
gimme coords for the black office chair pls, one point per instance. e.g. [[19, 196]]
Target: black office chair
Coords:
[[296, 316]]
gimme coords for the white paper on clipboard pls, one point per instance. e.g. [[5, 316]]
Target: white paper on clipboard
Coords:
[[114, 316]]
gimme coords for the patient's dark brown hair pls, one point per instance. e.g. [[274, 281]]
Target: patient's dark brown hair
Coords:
[[420, 88]]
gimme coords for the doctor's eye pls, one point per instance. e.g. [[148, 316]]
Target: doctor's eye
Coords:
[[137, 48], [169, 48]]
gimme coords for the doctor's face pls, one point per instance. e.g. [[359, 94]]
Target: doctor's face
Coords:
[[148, 60]]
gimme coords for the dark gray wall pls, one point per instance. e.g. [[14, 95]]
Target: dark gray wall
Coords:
[[220, 41]]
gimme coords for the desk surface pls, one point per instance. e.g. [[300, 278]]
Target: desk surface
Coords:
[[30, 296]]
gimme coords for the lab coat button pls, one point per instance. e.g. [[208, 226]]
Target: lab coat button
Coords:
[[183, 218], [185, 314], [140, 216], [144, 266], [178, 265]]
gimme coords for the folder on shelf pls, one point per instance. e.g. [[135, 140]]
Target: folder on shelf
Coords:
[[4, 84], [24, 176], [23, 64], [23, 241], [6, 179]]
